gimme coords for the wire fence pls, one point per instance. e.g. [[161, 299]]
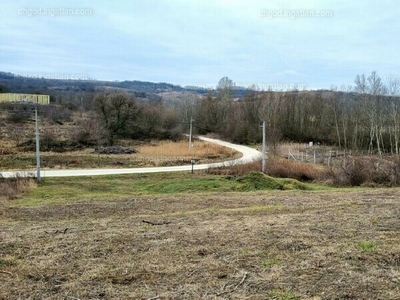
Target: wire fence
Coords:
[[329, 157]]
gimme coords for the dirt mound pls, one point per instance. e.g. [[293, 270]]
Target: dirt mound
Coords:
[[260, 181], [115, 150]]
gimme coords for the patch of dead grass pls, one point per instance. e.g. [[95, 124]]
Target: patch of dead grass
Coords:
[[181, 148], [284, 168], [12, 188]]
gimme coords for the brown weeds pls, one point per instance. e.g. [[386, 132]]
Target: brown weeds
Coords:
[[236, 170], [296, 170], [12, 188], [354, 171], [181, 148], [277, 168]]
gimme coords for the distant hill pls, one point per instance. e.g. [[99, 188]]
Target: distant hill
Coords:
[[141, 89]]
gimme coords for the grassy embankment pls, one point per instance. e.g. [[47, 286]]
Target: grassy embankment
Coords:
[[73, 189]]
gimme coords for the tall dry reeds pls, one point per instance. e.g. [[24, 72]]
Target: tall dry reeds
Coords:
[[13, 187], [181, 148]]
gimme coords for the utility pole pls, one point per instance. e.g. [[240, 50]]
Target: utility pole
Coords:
[[32, 102], [264, 155], [37, 147], [190, 132]]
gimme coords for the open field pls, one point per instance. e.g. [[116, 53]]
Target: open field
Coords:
[[326, 244]]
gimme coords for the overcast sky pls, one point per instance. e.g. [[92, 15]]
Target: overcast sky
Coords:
[[310, 44]]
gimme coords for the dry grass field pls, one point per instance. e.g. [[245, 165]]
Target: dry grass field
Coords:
[[156, 153], [280, 245]]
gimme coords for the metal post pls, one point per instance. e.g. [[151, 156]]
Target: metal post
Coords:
[[37, 147], [192, 162], [264, 155]]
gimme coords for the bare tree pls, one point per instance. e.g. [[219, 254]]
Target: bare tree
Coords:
[[337, 111], [370, 90], [225, 88], [393, 89], [116, 112]]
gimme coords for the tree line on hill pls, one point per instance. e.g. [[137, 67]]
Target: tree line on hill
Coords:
[[363, 116]]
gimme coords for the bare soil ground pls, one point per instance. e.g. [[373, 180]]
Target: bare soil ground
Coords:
[[266, 245]]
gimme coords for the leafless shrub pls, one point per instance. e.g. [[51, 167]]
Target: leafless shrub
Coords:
[[18, 134], [17, 112], [368, 170], [89, 132], [380, 172], [19, 116], [47, 139], [356, 173], [395, 170], [55, 113]]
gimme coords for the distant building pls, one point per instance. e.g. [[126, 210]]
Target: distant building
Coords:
[[10, 97]]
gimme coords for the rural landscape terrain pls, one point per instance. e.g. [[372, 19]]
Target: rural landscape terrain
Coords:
[[320, 223], [216, 150]]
